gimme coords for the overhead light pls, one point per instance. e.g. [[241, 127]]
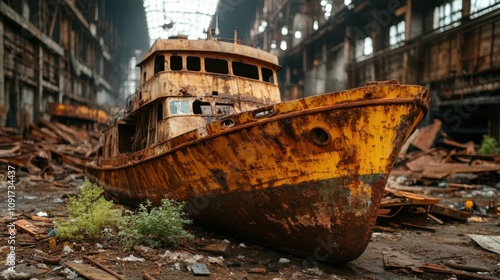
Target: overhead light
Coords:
[[328, 8], [261, 29], [283, 45], [284, 30], [315, 25], [264, 23], [298, 34], [273, 44]]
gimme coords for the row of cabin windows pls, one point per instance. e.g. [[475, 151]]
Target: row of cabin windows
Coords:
[[198, 107], [213, 65]]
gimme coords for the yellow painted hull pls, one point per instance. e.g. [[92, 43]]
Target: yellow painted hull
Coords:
[[306, 175]]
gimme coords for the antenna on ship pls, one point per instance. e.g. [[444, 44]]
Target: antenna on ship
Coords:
[[235, 35], [217, 23]]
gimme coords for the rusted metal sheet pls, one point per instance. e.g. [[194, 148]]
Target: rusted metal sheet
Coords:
[[77, 112], [427, 135], [406, 208], [311, 172]]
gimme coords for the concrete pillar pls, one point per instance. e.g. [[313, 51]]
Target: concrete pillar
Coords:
[[348, 77], [406, 63], [38, 94]]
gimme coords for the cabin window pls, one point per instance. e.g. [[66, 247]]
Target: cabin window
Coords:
[[245, 70], [125, 137], [267, 75], [202, 108], [144, 77], [224, 109], [159, 112], [176, 62], [193, 63], [179, 107], [159, 63], [214, 65]]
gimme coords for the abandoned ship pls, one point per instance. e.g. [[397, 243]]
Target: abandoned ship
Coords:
[[207, 126]]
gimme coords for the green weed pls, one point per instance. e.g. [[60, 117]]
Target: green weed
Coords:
[[156, 226], [489, 145], [89, 213]]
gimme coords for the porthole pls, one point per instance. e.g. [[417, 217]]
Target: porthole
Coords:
[[319, 136]]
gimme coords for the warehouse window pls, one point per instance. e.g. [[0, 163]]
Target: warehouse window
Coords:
[[479, 8], [214, 65], [176, 62], [363, 47], [397, 34], [193, 63], [447, 14], [245, 70]]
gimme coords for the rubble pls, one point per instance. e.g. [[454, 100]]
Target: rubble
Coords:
[[50, 151], [433, 167]]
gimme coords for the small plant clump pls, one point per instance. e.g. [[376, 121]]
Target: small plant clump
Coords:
[[156, 226], [89, 213], [489, 145]]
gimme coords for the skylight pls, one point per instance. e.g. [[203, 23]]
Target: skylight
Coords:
[[167, 18]]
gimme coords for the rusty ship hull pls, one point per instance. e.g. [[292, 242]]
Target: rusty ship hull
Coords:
[[306, 176]]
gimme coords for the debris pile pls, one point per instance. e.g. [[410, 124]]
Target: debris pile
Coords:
[[50, 149], [434, 167]]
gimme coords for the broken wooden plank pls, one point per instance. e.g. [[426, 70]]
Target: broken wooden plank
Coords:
[[382, 228], [453, 168], [412, 198], [90, 272], [455, 144], [105, 268], [449, 212], [435, 268], [422, 189], [418, 164], [58, 131], [487, 242], [11, 151], [28, 227], [465, 186], [437, 220], [427, 135], [432, 174], [471, 268], [221, 248], [420, 160]]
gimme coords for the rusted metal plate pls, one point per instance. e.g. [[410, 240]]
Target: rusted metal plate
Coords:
[[427, 135], [78, 112], [487, 242]]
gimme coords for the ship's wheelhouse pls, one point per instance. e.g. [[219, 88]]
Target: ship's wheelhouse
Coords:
[[186, 85]]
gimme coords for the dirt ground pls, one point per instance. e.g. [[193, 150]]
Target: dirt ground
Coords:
[[401, 254]]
